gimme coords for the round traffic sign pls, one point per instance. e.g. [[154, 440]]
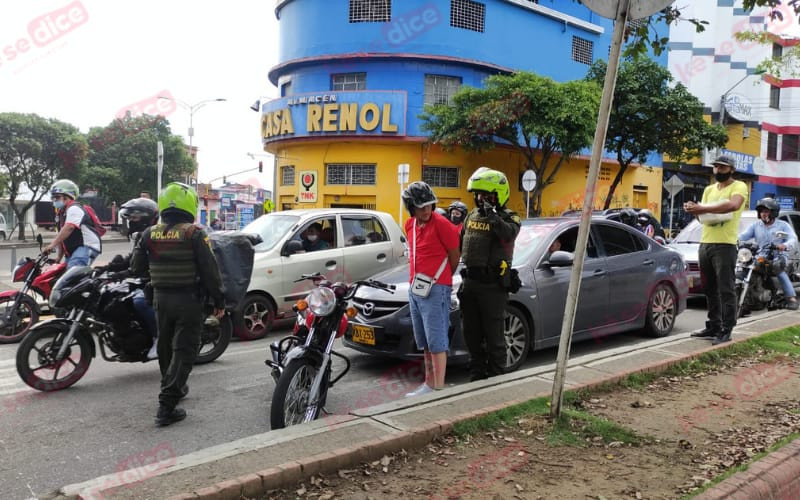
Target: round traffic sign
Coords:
[[529, 180], [637, 10]]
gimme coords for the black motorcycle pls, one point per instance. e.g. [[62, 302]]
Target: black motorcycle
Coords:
[[302, 362], [757, 283], [56, 353]]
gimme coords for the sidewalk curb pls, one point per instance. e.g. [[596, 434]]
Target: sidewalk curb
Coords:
[[259, 483]]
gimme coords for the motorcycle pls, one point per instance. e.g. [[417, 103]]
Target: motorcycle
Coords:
[[757, 283], [19, 309], [302, 362], [99, 304]]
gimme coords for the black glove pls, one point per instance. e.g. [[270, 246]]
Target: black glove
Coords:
[[486, 209], [118, 263]]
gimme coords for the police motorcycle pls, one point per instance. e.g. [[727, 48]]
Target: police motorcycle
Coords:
[[302, 363], [757, 283], [93, 302]]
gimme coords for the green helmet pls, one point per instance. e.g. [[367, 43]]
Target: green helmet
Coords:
[[491, 181], [66, 187], [178, 196]]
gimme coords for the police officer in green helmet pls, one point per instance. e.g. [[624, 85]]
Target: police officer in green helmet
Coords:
[[487, 247], [183, 272]]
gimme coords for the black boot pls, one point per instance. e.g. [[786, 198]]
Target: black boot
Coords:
[[185, 391], [708, 332], [723, 337], [167, 416]]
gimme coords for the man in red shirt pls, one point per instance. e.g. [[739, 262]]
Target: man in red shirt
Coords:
[[434, 257]]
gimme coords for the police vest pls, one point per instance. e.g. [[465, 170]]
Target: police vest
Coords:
[[481, 248], [171, 256]]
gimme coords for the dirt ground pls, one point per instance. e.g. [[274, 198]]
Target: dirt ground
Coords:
[[691, 429]]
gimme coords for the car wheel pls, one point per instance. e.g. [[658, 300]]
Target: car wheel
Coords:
[[518, 337], [258, 314], [662, 308]]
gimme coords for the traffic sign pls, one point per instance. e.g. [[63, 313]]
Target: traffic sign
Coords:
[[529, 180], [402, 173], [674, 185]]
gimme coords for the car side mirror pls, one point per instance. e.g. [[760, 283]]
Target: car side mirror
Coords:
[[560, 258], [292, 247], [39, 239]]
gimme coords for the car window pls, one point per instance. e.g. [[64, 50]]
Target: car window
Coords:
[[530, 237], [325, 230], [795, 220], [618, 241], [362, 230], [569, 242], [272, 228]]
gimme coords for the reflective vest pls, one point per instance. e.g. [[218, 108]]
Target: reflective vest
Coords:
[[171, 255], [481, 247]]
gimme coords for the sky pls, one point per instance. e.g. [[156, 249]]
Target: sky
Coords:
[[85, 61]]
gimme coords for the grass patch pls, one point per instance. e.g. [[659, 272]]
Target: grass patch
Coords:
[[506, 416], [574, 427]]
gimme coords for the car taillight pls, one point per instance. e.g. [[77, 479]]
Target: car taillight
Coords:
[[342, 326]]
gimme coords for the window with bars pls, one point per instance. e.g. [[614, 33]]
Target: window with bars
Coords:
[[370, 11], [777, 51], [774, 97], [789, 151], [468, 15], [287, 175], [582, 50], [349, 81], [350, 174], [439, 89], [638, 23], [441, 176], [772, 146]]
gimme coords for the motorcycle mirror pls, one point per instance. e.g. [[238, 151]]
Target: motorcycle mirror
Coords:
[[39, 240], [781, 234]]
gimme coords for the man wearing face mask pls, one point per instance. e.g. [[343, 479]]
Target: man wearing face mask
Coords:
[[719, 212], [77, 237]]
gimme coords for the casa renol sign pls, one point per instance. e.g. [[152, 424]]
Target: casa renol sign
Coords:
[[739, 107]]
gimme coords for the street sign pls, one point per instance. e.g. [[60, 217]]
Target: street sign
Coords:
[[529, 180], [160, 169], [402, 173], [638, 8], [674, 185]]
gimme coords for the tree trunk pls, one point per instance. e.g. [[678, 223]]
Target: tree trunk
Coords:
[[614, 184]]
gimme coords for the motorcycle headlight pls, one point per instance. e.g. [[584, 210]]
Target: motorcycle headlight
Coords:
[[744, 256], [321, 301]]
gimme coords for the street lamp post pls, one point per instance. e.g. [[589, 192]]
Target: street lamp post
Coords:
[[191, 108], [724, 97]]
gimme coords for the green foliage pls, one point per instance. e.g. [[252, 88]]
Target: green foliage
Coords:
[[531, 113], [649, 115], [36, 151], [122, 162]]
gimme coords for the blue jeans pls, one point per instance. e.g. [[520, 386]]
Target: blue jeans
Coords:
[[430, 318], [146, 313], [786, 283], [82, 256]]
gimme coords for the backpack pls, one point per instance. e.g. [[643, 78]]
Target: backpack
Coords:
[[97, 225]]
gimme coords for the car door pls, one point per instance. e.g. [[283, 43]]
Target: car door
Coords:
[[367, 246], [552, 284], [631, 267], [328, 261]]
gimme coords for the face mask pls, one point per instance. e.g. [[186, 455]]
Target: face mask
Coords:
[[312, 237], [59, 204], [722, 177]]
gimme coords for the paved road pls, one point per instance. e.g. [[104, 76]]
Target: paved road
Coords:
[[96, 426]]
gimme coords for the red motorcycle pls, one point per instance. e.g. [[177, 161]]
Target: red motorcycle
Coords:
[[19, 310]]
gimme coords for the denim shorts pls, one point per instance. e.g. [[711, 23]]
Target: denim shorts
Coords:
[[430, 317], [82, 256]]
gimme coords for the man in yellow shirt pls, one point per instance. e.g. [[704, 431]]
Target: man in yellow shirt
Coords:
[[719, 212]]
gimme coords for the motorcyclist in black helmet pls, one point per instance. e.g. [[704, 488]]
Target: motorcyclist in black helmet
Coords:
[[457, 212], [629, 217]]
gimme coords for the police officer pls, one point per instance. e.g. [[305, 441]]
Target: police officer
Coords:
[[487, 247], [183, 271]]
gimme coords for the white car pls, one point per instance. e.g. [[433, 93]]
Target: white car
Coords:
[[360, 243]]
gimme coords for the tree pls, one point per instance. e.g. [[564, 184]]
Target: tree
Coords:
[[35, 151], [546, 121], [649, 115], [122, 159]]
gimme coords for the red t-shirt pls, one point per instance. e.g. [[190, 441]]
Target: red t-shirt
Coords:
[[433, 241]]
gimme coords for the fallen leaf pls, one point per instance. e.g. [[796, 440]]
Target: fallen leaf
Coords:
[[386, 460], [518, 487], [302, 491], [610, 456]]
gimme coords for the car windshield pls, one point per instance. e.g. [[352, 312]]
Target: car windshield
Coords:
[[271, 228], [694, 231], [530, 237]]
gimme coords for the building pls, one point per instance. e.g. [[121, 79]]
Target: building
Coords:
[[354, 75], [758, 112], [234, 205]]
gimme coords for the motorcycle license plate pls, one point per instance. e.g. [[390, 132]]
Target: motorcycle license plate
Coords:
[[364, 334]]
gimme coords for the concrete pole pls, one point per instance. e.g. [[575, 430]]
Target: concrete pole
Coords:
[[588, 204]]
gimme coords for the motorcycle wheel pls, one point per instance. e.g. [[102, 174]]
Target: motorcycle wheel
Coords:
[[36, 363], [290, 401], [214, 340], [27, 314]]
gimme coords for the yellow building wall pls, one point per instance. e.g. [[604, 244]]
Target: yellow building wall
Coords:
[[641, 186]]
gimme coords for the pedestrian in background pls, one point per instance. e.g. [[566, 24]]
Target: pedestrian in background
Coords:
[[487, 248], [719, 212], [434, 258], [183, 272]]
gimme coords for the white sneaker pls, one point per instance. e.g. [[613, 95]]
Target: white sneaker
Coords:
[[419, 391], [153, 352]]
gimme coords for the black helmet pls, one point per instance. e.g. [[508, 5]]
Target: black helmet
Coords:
[[628, 216], [418, 194], [462, 210], [139, 213], [771, 205], [725, 160]]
